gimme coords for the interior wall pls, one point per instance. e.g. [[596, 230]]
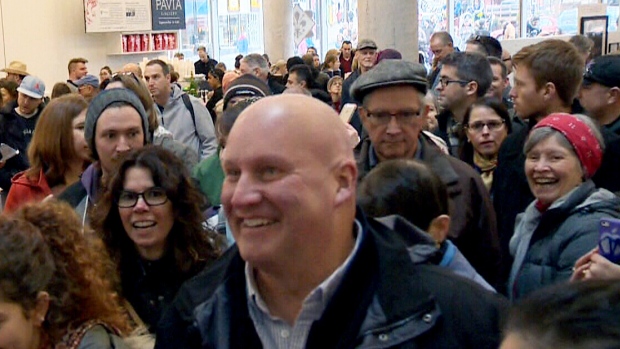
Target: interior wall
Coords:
[[46, 34], [2, 53]]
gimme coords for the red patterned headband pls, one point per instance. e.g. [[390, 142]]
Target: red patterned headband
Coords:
[[580, 136]]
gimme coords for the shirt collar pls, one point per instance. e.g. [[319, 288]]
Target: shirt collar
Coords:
[[322, 293]]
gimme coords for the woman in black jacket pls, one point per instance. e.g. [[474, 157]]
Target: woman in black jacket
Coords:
[[151, 223], [215, 78]]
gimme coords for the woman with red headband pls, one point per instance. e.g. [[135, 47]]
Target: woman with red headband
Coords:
[[563, 152]]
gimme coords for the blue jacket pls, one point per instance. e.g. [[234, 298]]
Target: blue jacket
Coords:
[[384, 301], [423, 250], [547, 245]]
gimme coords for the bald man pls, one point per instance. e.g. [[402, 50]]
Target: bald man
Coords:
[[308, 270], [132, 68]]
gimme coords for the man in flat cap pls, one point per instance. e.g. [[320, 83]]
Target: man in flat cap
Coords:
[[393, 112], [308, 269], [366, 55], [600, 91]]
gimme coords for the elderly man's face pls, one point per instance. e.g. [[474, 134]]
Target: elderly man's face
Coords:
[[439, 49], [367, 57], [394, 136], [280, 180]]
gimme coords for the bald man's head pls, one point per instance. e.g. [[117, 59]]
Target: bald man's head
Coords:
[[313, 122], [132, 68], [289, 170]]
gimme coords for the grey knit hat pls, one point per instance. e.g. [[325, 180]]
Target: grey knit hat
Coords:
[[101, 102]]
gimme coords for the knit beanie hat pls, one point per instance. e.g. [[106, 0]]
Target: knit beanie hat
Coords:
[[101, 102], [246, 85], [388, 53]]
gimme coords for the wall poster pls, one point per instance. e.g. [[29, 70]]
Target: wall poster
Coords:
[[117, 15]]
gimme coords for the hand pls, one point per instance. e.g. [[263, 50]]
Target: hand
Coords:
[[593, 266], [354, 137], [2, 163]]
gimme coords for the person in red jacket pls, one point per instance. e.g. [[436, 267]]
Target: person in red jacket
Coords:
[[55, 162]]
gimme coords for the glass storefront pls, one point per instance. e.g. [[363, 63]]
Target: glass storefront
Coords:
[[229, 27], [337, 17], [238, 29]]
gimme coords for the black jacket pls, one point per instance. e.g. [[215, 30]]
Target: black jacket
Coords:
[[150, 286], [201, 67], [218, 94], [275, 86], [16, 132], [384, 301]]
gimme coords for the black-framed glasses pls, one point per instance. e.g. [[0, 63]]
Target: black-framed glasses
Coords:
[[492, 125], [153, 197], [445, 81], [384, 118]]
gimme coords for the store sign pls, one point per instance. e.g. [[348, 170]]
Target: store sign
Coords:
[[168, 14], [116, 15], [302, 24]]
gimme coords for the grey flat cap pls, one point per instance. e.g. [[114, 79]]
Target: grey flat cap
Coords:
[[389, 72], [366, 43]]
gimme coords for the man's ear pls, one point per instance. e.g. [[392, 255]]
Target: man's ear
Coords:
[[346, 176], [363, 115], [549, 91], [37, 315], [614, 95], [168, 78], [439, 228], [472, 88]]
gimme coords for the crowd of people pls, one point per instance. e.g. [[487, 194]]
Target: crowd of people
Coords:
[[470, 206]]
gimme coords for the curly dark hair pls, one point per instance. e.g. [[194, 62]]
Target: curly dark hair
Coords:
[[26, 263], [45, 250], [192, 244]]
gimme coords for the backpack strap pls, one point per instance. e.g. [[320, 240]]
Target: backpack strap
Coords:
[[190, 107]]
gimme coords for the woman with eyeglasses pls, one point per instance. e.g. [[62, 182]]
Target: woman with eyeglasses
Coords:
[[151, 223], [485, 127]]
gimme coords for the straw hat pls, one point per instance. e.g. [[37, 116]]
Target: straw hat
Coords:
[[16, 67]]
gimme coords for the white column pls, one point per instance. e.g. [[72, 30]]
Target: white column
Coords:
[[278, 29], [391, 24]]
